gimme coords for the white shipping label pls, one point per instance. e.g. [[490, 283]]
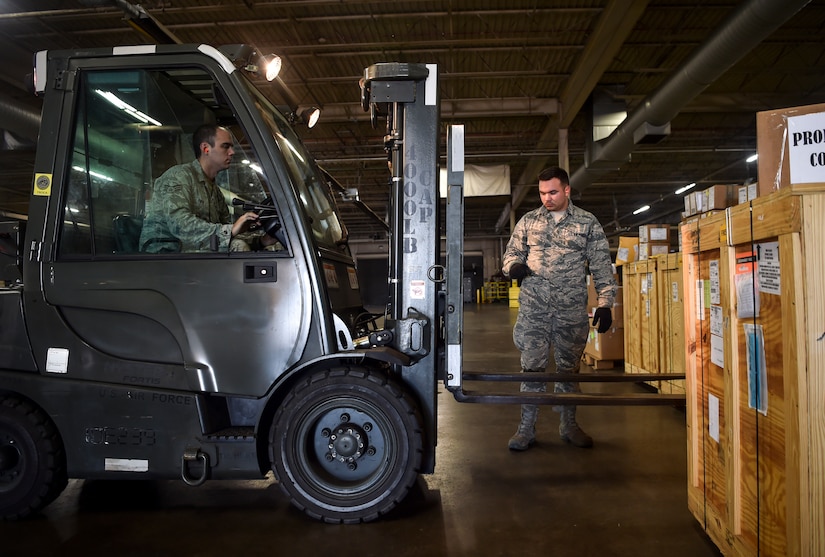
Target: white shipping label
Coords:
[[658, 234], [717, 350], [57, 360], [713, 417], [715, 284], [700, 300], [767, 268], [716, 320], [126, 465]]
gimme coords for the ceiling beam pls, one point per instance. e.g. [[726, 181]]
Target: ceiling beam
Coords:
[[611, 31], [455, 108]]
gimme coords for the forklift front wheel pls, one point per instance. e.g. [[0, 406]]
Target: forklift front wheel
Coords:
[[346, 445], [32, 459]]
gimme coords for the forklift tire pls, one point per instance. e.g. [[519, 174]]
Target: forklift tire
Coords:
[[32, 459], [346, 445]]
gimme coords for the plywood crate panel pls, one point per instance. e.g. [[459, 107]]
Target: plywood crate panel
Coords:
[[631, 286], [670, 293], [709, 438], [641, 318]]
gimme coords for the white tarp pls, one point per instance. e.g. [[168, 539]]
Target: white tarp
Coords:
[[481, 180]]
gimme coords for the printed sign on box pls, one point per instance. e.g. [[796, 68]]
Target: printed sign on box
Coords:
[[806, 146]]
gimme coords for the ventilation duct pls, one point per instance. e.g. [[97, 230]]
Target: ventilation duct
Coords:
[[20, 119], [745, 28]]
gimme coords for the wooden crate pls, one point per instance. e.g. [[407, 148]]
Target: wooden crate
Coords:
[[631, 306], [670, 294], [641, 307], [756, 478]]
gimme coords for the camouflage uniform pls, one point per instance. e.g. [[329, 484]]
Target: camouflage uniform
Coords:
[[186, 209], [553, 298]]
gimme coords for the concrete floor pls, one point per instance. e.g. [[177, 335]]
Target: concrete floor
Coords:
[[625, 497]]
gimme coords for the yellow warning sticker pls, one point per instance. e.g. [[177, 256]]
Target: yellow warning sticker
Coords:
[[42, 184]]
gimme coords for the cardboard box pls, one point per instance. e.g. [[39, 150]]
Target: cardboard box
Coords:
[[748, 193], [605, 346], [650, 249], [691, 197], [719, 197], [628, 250], [773, 144], [654, 233]]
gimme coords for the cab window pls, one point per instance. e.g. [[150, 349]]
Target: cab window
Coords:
[[132, 126]]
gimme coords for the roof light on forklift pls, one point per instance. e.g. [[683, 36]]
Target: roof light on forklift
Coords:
[[36, 81], [273, 66], [308, 115], [247, 58]]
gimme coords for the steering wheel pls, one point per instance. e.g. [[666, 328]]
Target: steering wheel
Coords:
[[271, 221]]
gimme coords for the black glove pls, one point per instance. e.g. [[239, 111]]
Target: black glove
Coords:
[[602, 317], [518, 271]]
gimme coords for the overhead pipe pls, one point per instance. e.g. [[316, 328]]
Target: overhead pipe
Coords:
[[19, 118], [745, 28]]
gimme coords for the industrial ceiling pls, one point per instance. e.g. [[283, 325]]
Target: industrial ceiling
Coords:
[[531, 81]]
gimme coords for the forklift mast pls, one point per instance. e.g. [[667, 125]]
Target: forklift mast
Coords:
[[406, 95]]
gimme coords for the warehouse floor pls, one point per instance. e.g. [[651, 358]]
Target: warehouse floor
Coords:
[[624, 497]]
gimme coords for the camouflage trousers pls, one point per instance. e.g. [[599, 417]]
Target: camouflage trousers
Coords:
[[543, 323]]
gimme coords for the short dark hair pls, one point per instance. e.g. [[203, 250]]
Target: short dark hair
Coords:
[[205, 132], [554, 172]]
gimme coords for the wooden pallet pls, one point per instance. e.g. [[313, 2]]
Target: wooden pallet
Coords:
[[600, 364]]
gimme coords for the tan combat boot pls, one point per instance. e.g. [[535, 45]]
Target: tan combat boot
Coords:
[[526, 434], [570, 431]]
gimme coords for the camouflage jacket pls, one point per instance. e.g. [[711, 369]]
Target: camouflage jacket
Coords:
[[185, 210], [562, 252]]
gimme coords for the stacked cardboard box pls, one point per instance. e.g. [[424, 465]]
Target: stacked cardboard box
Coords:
[[628, 250], [654, 239], [777, 144], [748, 192], [714, 198], [607, 346]]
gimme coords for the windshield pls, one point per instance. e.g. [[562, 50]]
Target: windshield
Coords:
[[311, 188]]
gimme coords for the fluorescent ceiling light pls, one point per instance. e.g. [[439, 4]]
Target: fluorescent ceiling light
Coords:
[[641, 209], [683, 189], [752, 158]]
